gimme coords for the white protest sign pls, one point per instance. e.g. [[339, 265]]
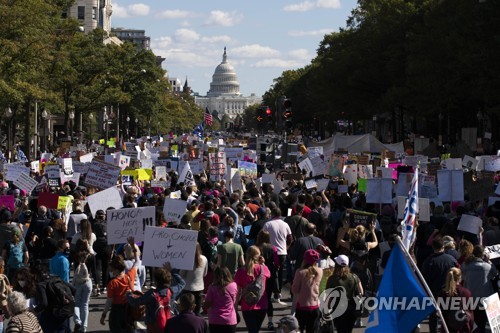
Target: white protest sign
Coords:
[[35, 166], [491, 305], [25, 182], [470, 162], [322, 184], [404, 184], [379, 190], [311, 183], [52, 171], [196, 166], [67, 166], [365, 171], [109, 198], [160, 172], [450, 185], [384, 172], [470, 223], [453, 163], [314, 151], [15, 170], [174, 209], [87, 158], [147, 164], [318, 165], [492, 164], [176, 194], [129, 222], [268, 178], [75, 177], [80, 167], [351, 173], [307, 166], [159, 183], [176, 246], [278, 186], [124, 162], [186, 175], [492, 251], [102, 175]]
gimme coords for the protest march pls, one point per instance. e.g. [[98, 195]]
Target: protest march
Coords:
[[164, 223]]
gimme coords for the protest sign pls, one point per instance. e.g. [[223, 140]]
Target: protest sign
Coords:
[[268, 178], [361, 185], [160, 173], [491, 305], [365, 171], [357, 217], [492, 251], [318, 166], [384, 172], [8, 202], [424, 213], [109, 198], [322, 184], [450, 185], [470, 223], [311, 183], [247, 169], [14, 170], [186, 176], [233, 154], [67, 166], [404, 183], [63, 202], [453, 163], [80, 167], [176, 246], [174, 209], [87, 158], [492, 164], [102, 175], [196, 166], [470, 162], [25, 182], [335, 166], [218, 166], [127, 180], [159, 183], [307, 167], [74, 177], [315, 151], [124, 162], [35, 166], [379, 190], [49, 200], [351, 173], [129, 222]]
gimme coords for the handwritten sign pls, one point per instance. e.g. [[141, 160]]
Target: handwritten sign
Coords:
[[14, 170], [492, 251], [492, 307], [470, 223], [247, 169], [109, 198], [175, 246], [357, 217], [174, 209], [25, 182], [218, 166], [63, 202], [160, 173], [102, 175], [129, 222]]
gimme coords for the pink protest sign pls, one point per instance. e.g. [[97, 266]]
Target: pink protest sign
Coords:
[[7, 201]]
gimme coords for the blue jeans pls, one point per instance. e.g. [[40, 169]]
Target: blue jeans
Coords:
[[82, 299]]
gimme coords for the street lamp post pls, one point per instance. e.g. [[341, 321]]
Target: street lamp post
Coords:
[[71, 117], [9, 114], [106, 124], [136, 128], [45, 115], [91, 117], [128, 126]]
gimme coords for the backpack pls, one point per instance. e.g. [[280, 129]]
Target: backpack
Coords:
[[60, 297], [15, 255], [254, 291], [162, 313]]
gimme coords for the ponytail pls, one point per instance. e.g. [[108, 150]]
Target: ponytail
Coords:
[[453, 278]]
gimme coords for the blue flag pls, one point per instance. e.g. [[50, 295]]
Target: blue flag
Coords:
[[199, 130], [21, 155], [400, 288]]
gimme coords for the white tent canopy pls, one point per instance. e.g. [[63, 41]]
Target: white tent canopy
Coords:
[[356, 144]]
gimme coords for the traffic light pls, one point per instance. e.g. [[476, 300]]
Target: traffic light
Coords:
[[269, 115], [287, 113], [259, 114]]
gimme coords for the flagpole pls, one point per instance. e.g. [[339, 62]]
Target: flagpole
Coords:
[[422, 281]]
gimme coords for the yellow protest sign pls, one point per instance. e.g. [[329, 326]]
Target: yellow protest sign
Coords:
[[63, 202]]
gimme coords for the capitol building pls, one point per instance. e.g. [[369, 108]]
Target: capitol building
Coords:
[[224, 97]]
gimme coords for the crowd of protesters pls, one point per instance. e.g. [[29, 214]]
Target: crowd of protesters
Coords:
[[289, 239]]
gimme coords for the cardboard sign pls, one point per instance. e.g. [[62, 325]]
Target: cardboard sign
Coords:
[[109, 198], [25, 182], [176, 246], [357, 217], [470, 223], [49, 200], [174, 210], [102, 175], [8, 202], [129, 222]]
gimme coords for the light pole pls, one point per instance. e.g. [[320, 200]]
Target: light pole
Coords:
[[128, 126], [106, 124], [136, 129], [71, 118], [91, 117], [9, 114], [45, 115]]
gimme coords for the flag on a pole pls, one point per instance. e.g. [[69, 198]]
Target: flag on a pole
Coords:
[[401, 287], [186, 175], [410, 213], [208, 117], [21, 156], [2, 157], [198, 131]]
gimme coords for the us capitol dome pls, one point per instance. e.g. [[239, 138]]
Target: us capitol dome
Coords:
[[224, 97]]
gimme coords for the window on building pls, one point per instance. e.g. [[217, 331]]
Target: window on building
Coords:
[[94, 13], [81, 12]]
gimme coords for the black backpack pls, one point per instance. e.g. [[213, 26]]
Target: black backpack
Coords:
[[59, 297]]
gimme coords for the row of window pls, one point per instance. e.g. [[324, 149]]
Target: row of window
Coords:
[[81, 13]]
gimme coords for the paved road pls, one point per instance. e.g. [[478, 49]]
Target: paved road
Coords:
[[97, 305]]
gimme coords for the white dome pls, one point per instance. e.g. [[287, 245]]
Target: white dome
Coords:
[[224, 80]]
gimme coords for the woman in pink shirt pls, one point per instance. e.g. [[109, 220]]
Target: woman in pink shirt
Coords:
[[220, 301], [252, 314], [305, 290]]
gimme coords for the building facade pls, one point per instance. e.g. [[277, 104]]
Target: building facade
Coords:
[[224, 97], [92, 14]]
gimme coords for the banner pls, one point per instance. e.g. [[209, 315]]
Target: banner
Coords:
[[129, 222], [176, 246]]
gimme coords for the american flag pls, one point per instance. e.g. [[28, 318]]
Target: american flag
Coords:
[[21, 156], [410, 213], [208, 117]]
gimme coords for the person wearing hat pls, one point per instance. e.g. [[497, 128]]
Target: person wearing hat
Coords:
[[288, 324], [342, 277], [305, 289]]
